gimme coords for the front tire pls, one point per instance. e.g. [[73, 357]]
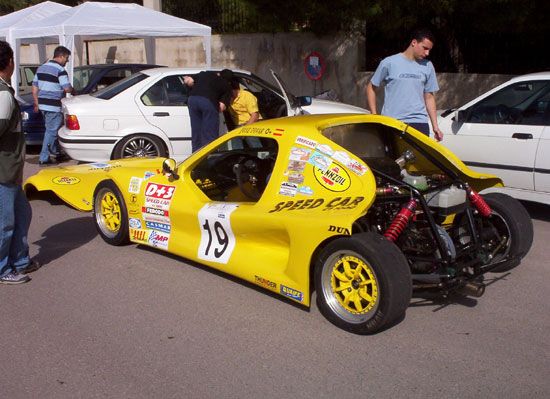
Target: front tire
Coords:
[[110, 214], [363, 283], [140, 145]]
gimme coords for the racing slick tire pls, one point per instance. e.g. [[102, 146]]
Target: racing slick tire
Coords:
[[514, 217], [363, 283], [140, 145], [110, 214]]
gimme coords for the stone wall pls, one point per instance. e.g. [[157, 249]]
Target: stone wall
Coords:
[[282, 52]]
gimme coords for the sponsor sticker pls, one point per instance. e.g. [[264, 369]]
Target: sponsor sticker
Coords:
[[295, 177], [155, 215], [135, 185], [357, 167], [335, 204], [157, 203], [296, 166], [335, 178], [299, 154], [159, 191], [342, 157], [292, 293], [148, 175], [164, 227], [306, 142], [134, 223], [265, 283], [66, 180], [158, 239], [305, 190], [139, 235], [288, 189], [325, 149], [320, 161]]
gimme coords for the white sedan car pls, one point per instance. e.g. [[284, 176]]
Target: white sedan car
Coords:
[[146, 115], [506, 132]]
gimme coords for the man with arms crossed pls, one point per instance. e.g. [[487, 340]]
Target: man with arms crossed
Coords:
[[410, 84]]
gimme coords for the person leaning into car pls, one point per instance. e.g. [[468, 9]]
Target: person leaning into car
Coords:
[[49, 86], [244, 105], [15, 210], [410, 84], [210, 95]]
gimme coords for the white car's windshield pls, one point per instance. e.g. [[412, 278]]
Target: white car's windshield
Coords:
[[118, 87]]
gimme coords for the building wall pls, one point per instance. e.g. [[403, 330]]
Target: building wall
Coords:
[[285, 54]]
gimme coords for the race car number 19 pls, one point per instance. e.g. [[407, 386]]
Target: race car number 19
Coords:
[[217, 238]]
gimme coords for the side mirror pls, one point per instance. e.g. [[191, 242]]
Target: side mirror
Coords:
[[460, 116], [305, 101], [169, 167]]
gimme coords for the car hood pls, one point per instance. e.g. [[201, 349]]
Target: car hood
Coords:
[[76, 184], [330, 107]]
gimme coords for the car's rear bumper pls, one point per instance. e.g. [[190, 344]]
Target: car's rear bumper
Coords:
[[87, 148]]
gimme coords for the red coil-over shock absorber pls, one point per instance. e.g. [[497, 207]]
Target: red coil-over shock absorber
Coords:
[[479, 202], [400, 221]]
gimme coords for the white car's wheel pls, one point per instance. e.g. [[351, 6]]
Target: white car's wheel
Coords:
[[140, 145]]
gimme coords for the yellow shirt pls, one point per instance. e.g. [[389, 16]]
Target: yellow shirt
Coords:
[[244, 105]]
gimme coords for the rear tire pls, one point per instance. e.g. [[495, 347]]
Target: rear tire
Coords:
[[110, 214], [363, 283], [519, 225], [140, 145]]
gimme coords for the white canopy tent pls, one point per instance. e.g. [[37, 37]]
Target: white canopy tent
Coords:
[[94, 20], [26, 17]]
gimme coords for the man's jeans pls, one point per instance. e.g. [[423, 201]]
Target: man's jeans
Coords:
[[15, 219], [205, 121], [52, 121]]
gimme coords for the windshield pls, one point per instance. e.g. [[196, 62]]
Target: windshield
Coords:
[[118, 87], [83, 76]]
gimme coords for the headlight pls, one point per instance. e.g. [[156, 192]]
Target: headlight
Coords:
[[24, 116]]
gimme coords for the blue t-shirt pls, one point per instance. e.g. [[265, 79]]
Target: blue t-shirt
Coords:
[[406, 82], [52, 80]]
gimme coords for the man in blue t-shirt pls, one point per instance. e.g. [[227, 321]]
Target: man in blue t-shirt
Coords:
[[49, 86], [410, 84]]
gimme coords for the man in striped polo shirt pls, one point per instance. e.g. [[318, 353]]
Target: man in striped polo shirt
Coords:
[[49, 86]]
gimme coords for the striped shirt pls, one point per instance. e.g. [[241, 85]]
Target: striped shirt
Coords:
[[52, 80]]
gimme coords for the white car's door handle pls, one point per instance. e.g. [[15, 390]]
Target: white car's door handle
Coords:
[[522, 136], [161, 114]]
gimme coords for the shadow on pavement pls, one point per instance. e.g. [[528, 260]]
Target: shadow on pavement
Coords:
[[537, 210], [62, 238]]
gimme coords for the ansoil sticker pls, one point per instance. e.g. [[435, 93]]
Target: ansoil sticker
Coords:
[[335, 178], [66, 180]]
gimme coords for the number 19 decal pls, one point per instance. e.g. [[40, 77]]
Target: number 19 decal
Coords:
[[217, 238]]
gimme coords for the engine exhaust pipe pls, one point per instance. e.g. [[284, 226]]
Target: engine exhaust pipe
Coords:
[[472, 288]]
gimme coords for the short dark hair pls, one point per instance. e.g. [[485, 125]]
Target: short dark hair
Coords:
[[235, 84], [61, 50], [227, 74], [6, 54], [421, 34]]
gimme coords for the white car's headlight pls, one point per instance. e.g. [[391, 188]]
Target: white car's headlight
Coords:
[[24, 116]]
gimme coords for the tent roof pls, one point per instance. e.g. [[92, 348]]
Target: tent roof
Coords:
[[29, 15], [106, 20]]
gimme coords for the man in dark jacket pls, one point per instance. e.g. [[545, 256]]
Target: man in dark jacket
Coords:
[[15, 211], [210, 95]]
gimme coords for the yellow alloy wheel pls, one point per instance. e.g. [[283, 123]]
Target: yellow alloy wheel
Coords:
[[354, 284], [110, 212]]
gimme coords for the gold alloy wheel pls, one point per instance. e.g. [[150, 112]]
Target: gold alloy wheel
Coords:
[[350, 286], [110, 213], [354, 285]]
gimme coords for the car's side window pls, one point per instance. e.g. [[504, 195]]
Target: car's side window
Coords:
[[518, 103], [169, 91], [238, 170]]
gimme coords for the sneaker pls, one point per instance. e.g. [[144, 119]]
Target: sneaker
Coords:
[[32, 267], [14, 278]]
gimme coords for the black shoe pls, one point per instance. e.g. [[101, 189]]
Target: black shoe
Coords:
[[62, 158], [49, 162], [32, 267]]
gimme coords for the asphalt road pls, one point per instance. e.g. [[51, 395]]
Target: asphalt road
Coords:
[[127, 322]]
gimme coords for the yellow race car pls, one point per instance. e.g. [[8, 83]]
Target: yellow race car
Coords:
[[359, 208]]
